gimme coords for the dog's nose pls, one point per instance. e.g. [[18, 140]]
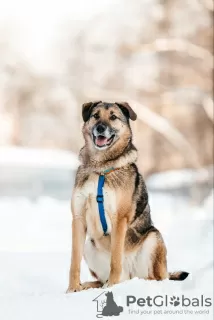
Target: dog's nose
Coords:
[[101, 128]]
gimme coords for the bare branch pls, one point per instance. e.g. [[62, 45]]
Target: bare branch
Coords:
[[205, 99], [209, 108], [179, 45]]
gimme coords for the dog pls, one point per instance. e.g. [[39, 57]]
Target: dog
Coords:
[[111, 308], [122, 241]]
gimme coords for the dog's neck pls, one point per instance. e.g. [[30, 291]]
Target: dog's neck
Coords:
[[99, 161]]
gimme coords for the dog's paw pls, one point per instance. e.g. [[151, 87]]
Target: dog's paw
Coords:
[[74, 289], [108, 284], [91, 285], [85, 285], [105, 285], [111, 282]]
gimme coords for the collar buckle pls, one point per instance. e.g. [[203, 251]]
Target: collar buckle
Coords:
[[100, 198]]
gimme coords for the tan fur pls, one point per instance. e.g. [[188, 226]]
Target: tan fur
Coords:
[[91, 284], [134, 247]]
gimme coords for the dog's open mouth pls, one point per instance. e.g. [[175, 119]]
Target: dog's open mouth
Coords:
[[101, 141]]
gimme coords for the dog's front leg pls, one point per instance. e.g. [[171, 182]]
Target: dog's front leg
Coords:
[[117, 249], [78, 241]]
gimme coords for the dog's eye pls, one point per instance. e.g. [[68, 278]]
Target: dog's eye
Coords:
[[113, 117], [96, 116]]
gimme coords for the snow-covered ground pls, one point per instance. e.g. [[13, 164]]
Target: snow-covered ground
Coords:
[[35, 242]]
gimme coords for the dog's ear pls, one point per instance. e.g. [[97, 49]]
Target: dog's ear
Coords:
[[127, 110], [87, 109]]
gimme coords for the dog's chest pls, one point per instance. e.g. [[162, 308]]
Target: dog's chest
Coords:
[[94, 226]]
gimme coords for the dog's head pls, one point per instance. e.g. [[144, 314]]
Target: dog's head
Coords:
[[105, 124]]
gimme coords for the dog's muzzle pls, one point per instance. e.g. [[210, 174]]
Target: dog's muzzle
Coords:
[[102, 136]]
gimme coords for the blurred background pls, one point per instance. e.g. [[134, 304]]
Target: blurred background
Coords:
[[55, 55], [156, 54]]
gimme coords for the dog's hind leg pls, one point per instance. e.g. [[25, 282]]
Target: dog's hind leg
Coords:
[[151, 258], [159, 262], [91, 284]]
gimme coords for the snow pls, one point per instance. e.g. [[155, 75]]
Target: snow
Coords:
[[35, 242], [179, 178], [42, 158]]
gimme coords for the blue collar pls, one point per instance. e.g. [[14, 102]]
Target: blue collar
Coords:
[[100, 199]]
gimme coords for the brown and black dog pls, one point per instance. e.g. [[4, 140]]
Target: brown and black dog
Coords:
[[133, 247]]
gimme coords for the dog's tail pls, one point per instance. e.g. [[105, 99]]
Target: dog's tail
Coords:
[[178, 276]]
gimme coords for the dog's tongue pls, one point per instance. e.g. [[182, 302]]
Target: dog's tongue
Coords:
[[101, 141]]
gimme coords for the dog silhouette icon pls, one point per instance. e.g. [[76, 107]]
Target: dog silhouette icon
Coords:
[[111, 308]]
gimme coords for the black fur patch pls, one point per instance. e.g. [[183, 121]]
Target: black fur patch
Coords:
[[143, 228], [107, 105], [140, 188], [93, 242], [125, 112], [183, 275], [179, 276], [132, 236]]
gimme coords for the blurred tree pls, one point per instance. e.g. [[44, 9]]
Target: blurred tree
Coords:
[[156, 53]]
